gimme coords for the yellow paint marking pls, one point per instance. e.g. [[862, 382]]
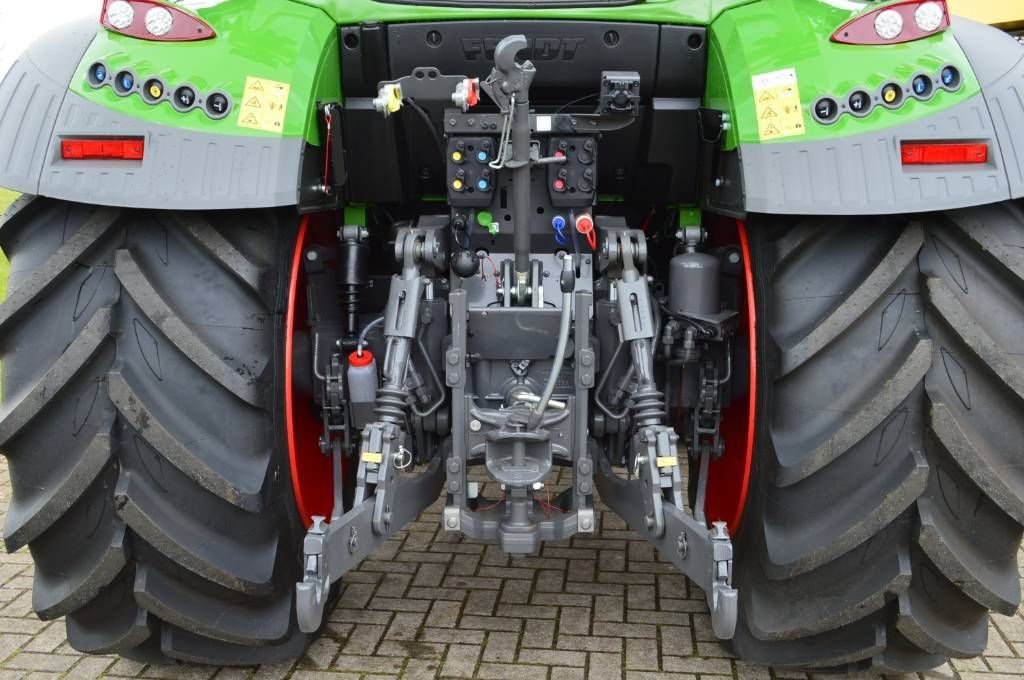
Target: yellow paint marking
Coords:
[[371, 457], [667, 461]]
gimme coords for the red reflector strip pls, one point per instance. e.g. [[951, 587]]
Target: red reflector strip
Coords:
[[103, 149], [945, 154]]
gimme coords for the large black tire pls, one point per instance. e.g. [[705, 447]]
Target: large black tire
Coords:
[[888, 495], [142, 420]]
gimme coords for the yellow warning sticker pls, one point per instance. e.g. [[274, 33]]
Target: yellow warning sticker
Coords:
[[371, 457], [777, 102], [264, 105], [667, 461]]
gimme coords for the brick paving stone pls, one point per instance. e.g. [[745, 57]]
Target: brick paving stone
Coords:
[[590, 643], [460, 662], [421, 669], [574, 621], [562, 673], [602, 666], [412, 649], [434, 606], [34, 661], [642, 654], [538, 633], [501, 646], [453, 636], [507, 671]]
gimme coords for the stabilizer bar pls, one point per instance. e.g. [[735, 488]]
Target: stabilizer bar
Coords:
[[332, 549], [704, 555]]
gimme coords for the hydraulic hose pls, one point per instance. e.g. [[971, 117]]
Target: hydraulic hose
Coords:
[[568, 286], [366, 332]]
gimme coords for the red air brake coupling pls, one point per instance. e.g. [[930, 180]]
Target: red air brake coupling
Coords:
[[585, 226], [472, 91]]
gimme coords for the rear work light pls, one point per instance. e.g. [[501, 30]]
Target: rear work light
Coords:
[[898, 22], [131, 149], [944, 154], [153, 20]]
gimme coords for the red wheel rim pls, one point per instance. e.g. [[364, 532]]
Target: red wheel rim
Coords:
[[729, 476], [312, 481]]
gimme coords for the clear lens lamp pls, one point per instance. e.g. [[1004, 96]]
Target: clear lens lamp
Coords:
[[929, 17], [889, 24], [120, 14], [159, 21]]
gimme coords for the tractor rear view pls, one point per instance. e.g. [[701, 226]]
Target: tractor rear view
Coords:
[[288, 271]]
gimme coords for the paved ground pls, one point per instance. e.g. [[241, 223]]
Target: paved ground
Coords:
[[431, 606]]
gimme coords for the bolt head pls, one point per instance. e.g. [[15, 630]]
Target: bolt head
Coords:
[[453, 522], [475, 425]]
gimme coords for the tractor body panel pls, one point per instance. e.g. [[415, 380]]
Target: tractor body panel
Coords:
[[191, 158], [853, 165], [250, 158]]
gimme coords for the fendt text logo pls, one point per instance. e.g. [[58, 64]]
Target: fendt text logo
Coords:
[[541, 49]]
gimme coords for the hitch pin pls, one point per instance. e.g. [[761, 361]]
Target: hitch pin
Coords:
[[530, 398]]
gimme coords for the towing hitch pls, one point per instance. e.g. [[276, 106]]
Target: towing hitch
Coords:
[[510, 368]]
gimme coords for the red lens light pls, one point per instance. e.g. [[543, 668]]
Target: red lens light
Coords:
[[861, 29], [185, 27], [944, 154], [132, 149]]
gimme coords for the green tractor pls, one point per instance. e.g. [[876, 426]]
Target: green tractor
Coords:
[[749, 273]]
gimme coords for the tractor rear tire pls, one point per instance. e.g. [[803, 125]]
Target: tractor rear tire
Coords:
[[143, 425], [888, 498]]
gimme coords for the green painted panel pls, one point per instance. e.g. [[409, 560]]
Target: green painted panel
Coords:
[[694, 12], [278, 40], [780, 34]]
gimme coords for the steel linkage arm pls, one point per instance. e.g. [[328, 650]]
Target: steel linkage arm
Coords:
[[385, 499], [333, 549], [704, 555], [651, 500]]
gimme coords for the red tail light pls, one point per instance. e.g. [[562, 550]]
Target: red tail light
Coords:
[[153, 20], [944, 154], [898, 22], [131, 149]]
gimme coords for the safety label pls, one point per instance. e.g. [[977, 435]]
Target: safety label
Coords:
[[777, 103], [264, 105]]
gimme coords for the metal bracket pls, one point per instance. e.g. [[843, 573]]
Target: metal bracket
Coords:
[[381, 450], [426, 85], [332, 549], [703, 555]]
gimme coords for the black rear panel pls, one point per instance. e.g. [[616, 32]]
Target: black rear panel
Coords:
[[569, 55], [653, 161]]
